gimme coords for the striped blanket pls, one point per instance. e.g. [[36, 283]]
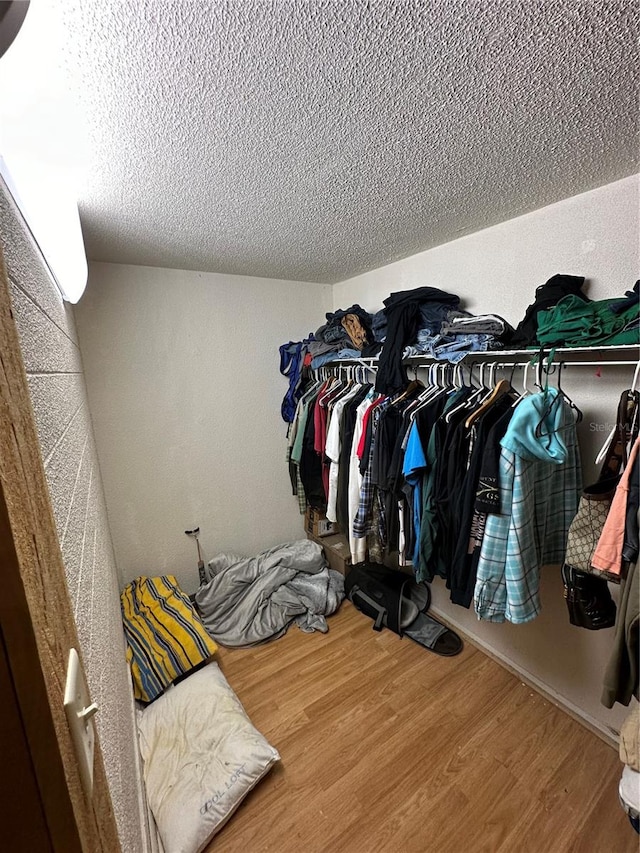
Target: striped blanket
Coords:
[[165, 636]]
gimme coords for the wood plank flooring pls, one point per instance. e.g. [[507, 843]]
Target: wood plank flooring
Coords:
[[387, 748]]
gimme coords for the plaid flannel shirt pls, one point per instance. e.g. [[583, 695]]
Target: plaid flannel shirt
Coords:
[[364, 520], [538, 501]]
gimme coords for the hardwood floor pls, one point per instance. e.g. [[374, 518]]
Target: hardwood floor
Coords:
[[387, 748]]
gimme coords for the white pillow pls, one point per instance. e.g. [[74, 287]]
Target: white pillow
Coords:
[[201, 757]]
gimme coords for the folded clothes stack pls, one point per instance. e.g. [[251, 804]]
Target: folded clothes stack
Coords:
[[547, 296], [428, 321], [407, 313], [459, 333], [451, 348], [480, 324], [345, 335], [576, 322], [333, 355]]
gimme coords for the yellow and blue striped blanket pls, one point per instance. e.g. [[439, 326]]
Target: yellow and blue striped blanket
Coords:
[[165, 635]]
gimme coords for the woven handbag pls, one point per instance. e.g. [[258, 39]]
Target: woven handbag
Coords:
[[588, 524]]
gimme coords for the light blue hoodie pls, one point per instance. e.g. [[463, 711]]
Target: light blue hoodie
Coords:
[[544, 410]]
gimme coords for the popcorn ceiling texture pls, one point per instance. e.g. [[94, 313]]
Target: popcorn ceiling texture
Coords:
[[317, 139], [54, 371]]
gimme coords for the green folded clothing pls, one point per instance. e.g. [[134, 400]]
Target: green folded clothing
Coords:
[[576, 323]]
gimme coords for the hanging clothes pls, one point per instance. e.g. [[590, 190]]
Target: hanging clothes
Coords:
[[296, 442], [370, 518], [415, 465], [487, 500], [357, 546], [430, 557], [621, 675], [458, 482], [462, 570], [310, 461], [292, 355], [333, 447], [347, 429], [540, 483], [324, 404], [609, 553]]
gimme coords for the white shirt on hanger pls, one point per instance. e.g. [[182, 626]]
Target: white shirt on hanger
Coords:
[[332, 450], [358, 547]]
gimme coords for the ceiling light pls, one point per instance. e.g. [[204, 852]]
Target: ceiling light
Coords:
[[51, 214], [40, 140]]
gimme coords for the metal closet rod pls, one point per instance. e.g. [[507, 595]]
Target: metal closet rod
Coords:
[[545, 364], [589, 363], [620, 350], [355, 362], [605, 355]]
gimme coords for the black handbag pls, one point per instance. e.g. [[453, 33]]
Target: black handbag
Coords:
[[589, 601]]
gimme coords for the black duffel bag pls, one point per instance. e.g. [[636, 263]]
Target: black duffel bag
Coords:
[[394, 600]]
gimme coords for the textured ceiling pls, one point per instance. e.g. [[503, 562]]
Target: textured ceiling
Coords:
[[316, 139]]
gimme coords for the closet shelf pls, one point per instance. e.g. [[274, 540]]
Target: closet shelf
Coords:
[[602, 354]]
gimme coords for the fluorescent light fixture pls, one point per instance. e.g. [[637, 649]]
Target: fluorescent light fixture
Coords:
[[41, 142], [51, 214]]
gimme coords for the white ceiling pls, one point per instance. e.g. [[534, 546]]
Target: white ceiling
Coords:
[[316, 139]]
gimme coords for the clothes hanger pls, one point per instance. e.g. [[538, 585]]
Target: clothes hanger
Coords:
[[317, 382], [486, 385], [473, 400], [557, 399], [335, 383], [551, 402], [433, 389], [602, 453], [411, 387], [347, 385], [435, 383], [526, 392], [616, 449], [500, 389], [565, 396]]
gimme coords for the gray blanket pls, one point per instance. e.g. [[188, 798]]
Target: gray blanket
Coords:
[[252, 599]]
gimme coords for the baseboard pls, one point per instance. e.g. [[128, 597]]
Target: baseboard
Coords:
[[609, 735]]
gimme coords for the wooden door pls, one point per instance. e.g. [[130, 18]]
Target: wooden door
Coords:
[[24, 826], [38, 629]]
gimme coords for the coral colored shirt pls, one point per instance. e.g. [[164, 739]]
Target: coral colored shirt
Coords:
[[608, 554]]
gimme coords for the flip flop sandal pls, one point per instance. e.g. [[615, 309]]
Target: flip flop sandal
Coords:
[[433, 635], [424, 629]]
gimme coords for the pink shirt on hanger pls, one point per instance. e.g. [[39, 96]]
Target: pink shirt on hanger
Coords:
[[608, 554]]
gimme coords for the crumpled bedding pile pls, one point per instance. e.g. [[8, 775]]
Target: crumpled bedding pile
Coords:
[[252, 599]]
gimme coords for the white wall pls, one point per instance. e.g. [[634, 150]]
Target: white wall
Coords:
[[183, 379], [497, 270], [54, 371]]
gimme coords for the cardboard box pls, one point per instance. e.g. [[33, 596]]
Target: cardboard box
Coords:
[[336, 551], [317, 525]]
